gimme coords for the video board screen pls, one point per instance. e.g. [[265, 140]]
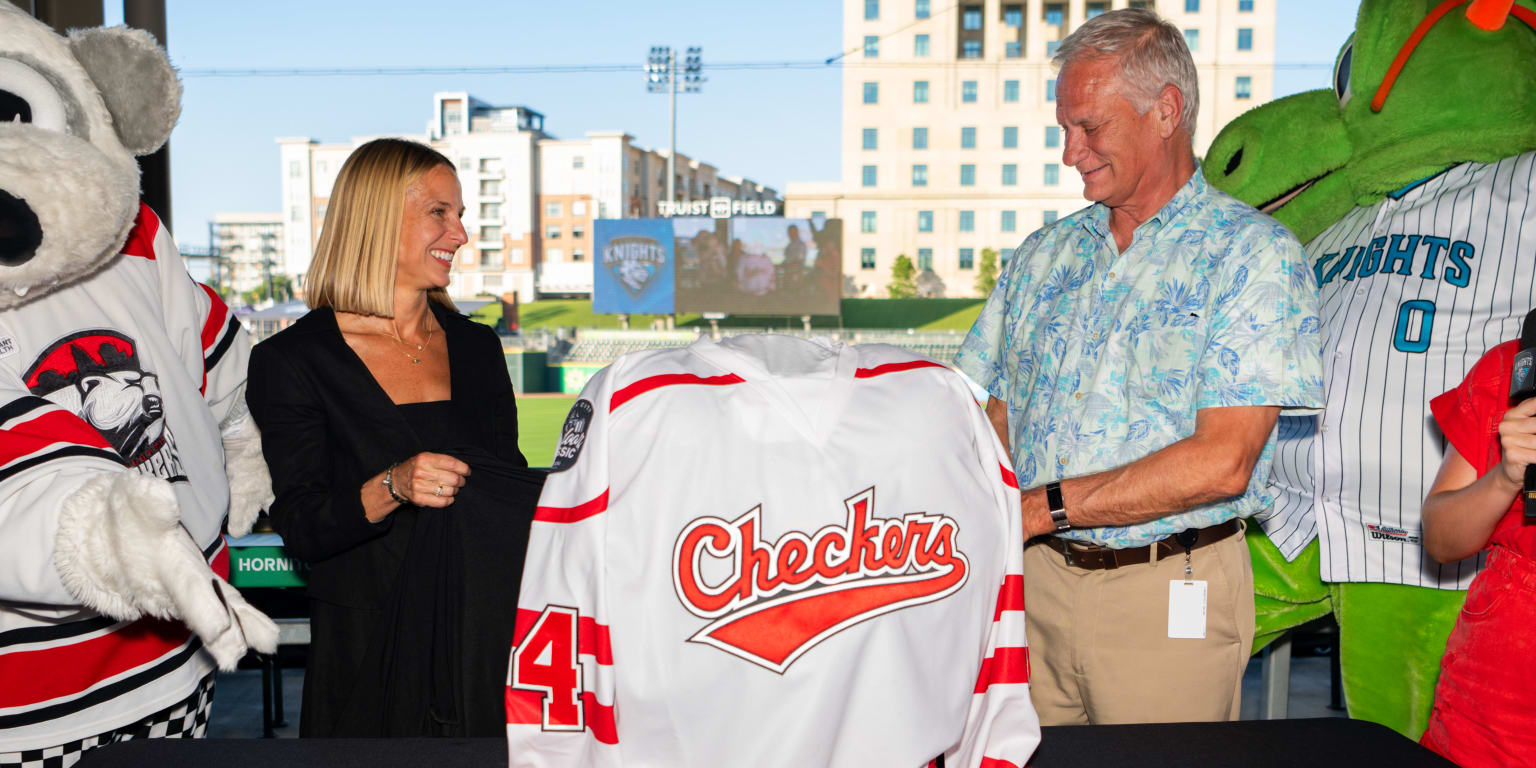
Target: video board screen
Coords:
[[632, 271]]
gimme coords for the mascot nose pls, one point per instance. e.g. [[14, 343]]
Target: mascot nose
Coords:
[[152, 405], [20, 232]]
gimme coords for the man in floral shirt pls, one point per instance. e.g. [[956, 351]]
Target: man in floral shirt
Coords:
[[1137, 354]]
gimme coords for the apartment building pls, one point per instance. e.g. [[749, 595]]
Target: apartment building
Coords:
[[949, 137], [250, 245], [530, 198]]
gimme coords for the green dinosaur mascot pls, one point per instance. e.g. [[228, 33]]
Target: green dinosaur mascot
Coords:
[[1411, 183]]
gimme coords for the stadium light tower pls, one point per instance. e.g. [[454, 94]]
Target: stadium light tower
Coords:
[[661, 76]]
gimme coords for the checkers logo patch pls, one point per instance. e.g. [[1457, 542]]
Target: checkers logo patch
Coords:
[[770, 603]]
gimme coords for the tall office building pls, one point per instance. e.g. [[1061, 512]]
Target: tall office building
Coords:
[[949, 136], [250, 245], [529, 198]]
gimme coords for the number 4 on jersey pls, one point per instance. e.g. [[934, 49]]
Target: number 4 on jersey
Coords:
[[545, 661]]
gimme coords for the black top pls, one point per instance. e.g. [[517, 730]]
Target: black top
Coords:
[[327, 426]]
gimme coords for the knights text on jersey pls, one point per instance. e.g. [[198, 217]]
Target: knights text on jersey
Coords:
[[1414, 290], [772, 551], [131, 369]]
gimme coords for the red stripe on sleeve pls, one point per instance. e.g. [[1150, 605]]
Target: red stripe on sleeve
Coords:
[[1004, 667], [527, 708], [48, 428], [1009, 479], [1011, 596], [217, 320], [592, 638], [141, 239], [574, 514], [647, 384], [992, 762], [51, 673], [881, 370]]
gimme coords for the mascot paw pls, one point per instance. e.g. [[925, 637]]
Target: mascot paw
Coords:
[[250, 485], [228, 625]]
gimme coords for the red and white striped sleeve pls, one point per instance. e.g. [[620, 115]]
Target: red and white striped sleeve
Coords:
[[1001, 728], [560, 682], [46, 452]]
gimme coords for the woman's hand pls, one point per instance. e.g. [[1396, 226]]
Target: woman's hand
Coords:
[[430, 479], [1517, 438]]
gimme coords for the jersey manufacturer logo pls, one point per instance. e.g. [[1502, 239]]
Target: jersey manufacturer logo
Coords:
[[1388, 533], [770, 603]]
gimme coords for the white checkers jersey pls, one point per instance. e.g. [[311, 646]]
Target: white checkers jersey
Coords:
[[1414, 290], [771, 551], [129, 370]]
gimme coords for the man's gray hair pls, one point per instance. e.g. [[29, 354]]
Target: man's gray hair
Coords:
[[1152, 54]]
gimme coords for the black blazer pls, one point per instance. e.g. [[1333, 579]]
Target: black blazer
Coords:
[[327, 426]]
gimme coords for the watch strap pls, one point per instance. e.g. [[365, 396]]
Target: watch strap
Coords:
[[1057, 505]]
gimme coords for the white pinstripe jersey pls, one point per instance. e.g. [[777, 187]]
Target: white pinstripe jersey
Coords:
[[1414, 290], [771, 551]]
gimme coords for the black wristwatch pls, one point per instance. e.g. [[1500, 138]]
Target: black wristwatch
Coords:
[[1057, 506]]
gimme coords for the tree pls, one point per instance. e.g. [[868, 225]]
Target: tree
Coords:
[[902, 285], [282, 285], [986, 272]]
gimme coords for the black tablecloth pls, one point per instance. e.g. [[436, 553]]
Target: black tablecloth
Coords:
[[1281, 743]]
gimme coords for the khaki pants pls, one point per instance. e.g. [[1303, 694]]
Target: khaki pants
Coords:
[[1098, 640]]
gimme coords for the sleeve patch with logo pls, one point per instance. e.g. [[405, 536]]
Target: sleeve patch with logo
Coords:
[[572, 436]]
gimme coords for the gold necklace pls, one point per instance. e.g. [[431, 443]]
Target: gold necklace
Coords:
[[415, 359]]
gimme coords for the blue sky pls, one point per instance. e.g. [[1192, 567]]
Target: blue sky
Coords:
[[774, 125]]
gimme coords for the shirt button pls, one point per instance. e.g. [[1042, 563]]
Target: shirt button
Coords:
[[1359, 291], [1078, 395], [1111, 275], [1062, 462]]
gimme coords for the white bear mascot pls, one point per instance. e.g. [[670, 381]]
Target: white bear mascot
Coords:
[[124, 442]]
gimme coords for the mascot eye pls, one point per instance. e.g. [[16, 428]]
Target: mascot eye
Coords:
[[28, 97], [1341, 72]]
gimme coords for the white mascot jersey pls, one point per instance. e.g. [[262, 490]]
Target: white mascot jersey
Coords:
[[1414, 290], [91, 383], [771, 551]]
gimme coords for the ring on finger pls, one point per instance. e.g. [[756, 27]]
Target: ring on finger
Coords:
[[439, 490]]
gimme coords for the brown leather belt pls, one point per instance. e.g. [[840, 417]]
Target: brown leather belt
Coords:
[[1096, 558]]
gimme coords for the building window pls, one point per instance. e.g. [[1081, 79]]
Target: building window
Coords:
[[1191, 6], [1145, 5], [1095, 9], [1010, 90], [490, 187], [967, 174], [1244, 39], [919, 138], [1244, 87], [1052, 136], [867, 221], [517, 255], [490, 164], [967, 258], [295, 170], [867, 258], [1049, 217], [871, 10], [490, 234], [920, 92], [490, 257], [922, 9], [1245, 6], [1050, 90], [871, 138], [1050, 48], [968, 91], [1013, 16], [1052, 174], [552, 232], [968, 137], [552, 210], [1192, 39], [1010, 137], [1055, 14], [578, 162], [554, 254], [920, 46], [871, 47], [578, 254], [967, 221], [869, 175], [1013, 49], [970, 49], [920, 175], [1010, 174], [579, 208], [925, 258], [490, 210], [578, 230], [925, 221], [970, 18], [871, 93], [1010, 222]]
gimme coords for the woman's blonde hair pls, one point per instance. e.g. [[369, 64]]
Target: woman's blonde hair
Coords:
[[355, 262]]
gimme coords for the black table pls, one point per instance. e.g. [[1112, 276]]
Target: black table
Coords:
[[1280, 743]]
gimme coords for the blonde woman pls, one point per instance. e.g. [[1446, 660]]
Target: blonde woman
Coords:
[[362, 404]]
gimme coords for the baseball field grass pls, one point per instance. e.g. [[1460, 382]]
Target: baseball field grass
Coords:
[[538, 425]]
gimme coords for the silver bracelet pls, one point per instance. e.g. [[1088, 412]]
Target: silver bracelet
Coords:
[[389, 484]]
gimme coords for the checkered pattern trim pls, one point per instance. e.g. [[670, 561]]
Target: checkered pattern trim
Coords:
[[186, 719]]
